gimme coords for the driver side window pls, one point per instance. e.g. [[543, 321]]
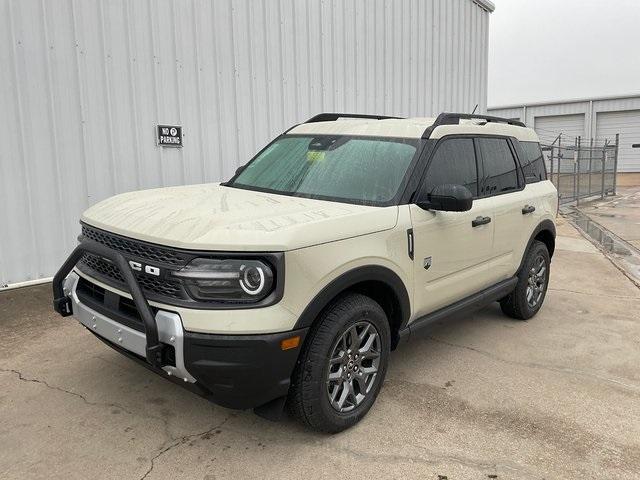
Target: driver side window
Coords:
[[454, 162]]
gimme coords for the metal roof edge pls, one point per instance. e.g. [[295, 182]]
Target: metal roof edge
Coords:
[[487, 5], [569, 100]]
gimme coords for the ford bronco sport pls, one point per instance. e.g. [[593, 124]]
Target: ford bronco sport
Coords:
[[291, 283]]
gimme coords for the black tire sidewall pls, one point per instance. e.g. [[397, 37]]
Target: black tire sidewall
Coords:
[[537, 248], [317, 365]]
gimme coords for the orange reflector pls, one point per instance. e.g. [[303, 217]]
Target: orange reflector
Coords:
[[289, 343]]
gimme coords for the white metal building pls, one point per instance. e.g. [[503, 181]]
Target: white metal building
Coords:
[[599, 119], [83, 86]]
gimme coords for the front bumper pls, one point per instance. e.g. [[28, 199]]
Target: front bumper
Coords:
[[234, 371], [170, 332]]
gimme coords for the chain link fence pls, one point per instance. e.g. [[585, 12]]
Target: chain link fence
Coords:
[[580, 169]]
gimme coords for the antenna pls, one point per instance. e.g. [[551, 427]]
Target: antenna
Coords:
[[474, 109]]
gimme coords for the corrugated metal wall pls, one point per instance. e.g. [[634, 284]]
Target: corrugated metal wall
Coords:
[[627, 124], [84, 83], [548, 127]]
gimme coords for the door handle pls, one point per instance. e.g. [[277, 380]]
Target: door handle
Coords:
[[528, 209], [480, 221]]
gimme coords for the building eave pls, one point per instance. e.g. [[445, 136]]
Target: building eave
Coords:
[[560, 102], [486, 5]]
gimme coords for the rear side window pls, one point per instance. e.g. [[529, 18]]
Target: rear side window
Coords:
[[533, 162], [453, 163], [501, 174]]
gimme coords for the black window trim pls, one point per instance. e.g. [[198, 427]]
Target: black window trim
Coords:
[[520, 149], [431, 148], [431, 154], [417, 170], [519, 173]]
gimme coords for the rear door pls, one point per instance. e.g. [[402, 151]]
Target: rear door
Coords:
[[515, 205], [450, 253]]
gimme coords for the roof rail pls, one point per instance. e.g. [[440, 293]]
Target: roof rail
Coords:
[[332, 117], [454, 119]]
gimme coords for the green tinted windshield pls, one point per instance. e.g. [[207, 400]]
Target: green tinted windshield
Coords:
[[352, 169]]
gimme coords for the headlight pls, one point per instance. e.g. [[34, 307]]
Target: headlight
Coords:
[[227, 280]]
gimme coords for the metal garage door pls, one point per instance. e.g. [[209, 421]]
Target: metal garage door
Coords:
[[548, 128], [627, 124]]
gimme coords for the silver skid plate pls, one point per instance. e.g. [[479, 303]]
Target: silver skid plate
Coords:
[[169, 330]]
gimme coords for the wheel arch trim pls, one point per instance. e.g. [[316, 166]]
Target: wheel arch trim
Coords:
[[546, 225], [351, 278]]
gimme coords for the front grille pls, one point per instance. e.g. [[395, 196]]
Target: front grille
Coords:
[[170, 288], [160, 285], [102, 266], [155, 288], [134, 248], [93, 264]]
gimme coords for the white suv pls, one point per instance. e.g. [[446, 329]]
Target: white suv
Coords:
[[293, 281]]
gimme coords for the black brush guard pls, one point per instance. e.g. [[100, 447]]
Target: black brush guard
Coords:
[[63, 305]]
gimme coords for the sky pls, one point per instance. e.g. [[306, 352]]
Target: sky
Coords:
[[543, 50]]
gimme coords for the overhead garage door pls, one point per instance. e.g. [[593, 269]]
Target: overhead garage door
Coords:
[[627, 124], [549, 127]]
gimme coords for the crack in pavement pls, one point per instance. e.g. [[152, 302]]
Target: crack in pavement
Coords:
[[23, 378], [594, 294], [176, 441], [181, 441], [545, 432], [626, 386], [436, 459]]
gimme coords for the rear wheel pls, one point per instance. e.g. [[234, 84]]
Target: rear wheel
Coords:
[[533, 279], [342, 366]]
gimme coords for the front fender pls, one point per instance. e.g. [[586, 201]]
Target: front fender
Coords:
[[348, 280]]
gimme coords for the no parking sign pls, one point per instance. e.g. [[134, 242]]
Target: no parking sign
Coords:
[[169, 136]]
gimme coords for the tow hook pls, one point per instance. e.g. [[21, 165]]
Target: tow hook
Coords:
[[154, 355], [63, 306]]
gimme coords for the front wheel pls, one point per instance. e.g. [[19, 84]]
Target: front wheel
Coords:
[[533, 279], [342, 366]]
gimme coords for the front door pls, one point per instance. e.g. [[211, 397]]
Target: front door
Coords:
[[451, 249]]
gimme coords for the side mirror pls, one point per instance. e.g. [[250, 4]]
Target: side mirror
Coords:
[[446, 198], [240, 169]]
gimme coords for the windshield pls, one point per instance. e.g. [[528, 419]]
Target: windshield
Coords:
[[343, 168]]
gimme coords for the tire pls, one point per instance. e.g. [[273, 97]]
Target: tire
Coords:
[[518, 304], [309, 396]]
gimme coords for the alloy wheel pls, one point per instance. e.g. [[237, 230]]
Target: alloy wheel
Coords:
[[353, 366], [537, 281]]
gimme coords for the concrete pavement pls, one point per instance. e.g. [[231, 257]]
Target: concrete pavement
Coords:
[[620, 214], [481, 395]]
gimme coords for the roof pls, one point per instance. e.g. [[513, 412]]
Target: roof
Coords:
[[410, 128], [568, 100], [393, 127], [486, 5]]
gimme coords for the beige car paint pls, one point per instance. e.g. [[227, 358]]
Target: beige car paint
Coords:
[[215, 217], [322, 239], [459, 255], [401, 128], [523, 134], [307, 271], [412, 128], [513, 228]]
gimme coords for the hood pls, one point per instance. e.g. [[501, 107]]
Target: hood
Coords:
[[215, 217]]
